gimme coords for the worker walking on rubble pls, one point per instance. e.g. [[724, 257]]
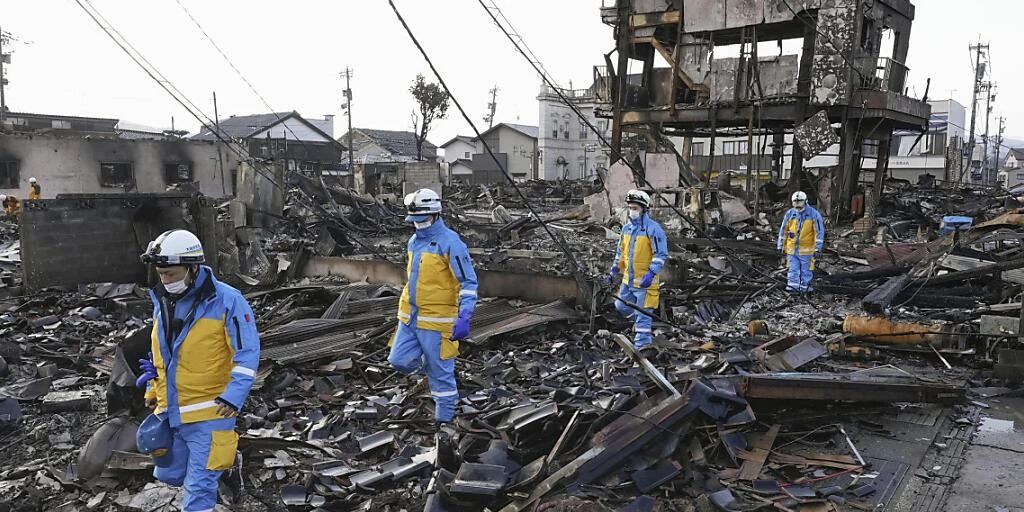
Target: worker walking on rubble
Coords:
[[437, 303], [205, 353], [801, 237], [11, 204], [34, 190], [641, 254]]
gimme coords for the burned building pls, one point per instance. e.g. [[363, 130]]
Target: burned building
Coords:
[[91, 165], [850, 71]]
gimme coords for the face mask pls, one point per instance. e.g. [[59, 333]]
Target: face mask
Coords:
[[177, 287], [799, 207], [423, 225], [635, 214]]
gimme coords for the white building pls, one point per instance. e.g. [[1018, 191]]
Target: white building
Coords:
[[460, 147], [568, 149], [1011, 176], [945, 128], [515, 146]]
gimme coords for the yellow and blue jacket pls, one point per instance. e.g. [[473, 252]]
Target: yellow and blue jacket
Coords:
[[642, 248], [205, 346], [441, 283], [35, 192], [802, 233]]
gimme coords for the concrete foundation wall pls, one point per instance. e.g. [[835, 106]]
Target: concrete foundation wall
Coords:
[[71, 165], [93, 238], [532, 287], [421, 174]]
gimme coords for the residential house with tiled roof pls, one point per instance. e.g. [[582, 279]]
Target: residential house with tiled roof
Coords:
[[373, 146], [306, 145]]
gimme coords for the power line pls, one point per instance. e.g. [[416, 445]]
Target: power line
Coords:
[[246, 80], [636, 173], [558, 241], [165, 83]]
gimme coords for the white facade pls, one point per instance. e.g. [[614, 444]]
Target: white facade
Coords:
[[459, 148], [567, 148]]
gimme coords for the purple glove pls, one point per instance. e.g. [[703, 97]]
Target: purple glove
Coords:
[[647, 280], [613, 274], [461, 330], [148, 371]]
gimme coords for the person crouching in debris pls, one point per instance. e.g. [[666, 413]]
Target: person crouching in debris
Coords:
[[34, 190], [205, 353], [11, 204], [437, 303], [640, 256], [801, 237]]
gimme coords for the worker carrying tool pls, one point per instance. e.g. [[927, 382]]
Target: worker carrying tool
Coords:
[[641, 254], [437, 303], [11, 204], [205, 353], [34, 190], [801, 237]]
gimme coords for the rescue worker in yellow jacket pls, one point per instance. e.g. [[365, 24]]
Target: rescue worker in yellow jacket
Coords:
[[11, 204], [34, 190], [437, 303], [639, 257], [205, 353], [801, 238]]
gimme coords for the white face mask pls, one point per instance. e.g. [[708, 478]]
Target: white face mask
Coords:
[[177, 287], [423, 225], [635, 214]]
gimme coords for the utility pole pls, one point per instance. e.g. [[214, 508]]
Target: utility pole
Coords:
[[4, 59], [988, 86], [979, 75], [220, 157], [348, 110], [492, 107], [999, 142]]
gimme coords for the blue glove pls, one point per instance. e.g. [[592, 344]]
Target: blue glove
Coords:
[[148, 371], [612, 275], [647, 280], [461, 330]]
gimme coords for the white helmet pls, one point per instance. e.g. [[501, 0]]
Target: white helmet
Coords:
[[32, 180], [422, 202], [639, 197], [173, 248], [3, 197], [799, 196]]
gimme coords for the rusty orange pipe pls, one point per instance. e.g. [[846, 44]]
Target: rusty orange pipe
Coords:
[[882, 330]]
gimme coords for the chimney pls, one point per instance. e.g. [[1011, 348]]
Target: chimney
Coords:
[[329, 123]]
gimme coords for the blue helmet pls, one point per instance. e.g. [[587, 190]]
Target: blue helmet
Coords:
[[154, 436]]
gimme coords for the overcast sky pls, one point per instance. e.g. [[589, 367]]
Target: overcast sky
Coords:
[[292, 52]]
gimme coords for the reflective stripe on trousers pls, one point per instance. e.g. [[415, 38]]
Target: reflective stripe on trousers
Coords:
[[199, 453], [641, 322], [415, 350]]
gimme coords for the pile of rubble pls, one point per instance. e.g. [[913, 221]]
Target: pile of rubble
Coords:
[[863, 396]]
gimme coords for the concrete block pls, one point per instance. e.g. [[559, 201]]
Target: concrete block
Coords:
[[61, 401], [991, 324]]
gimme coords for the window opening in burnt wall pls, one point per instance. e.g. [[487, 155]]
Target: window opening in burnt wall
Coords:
[[178, 172], [116, 174], [9, 174]]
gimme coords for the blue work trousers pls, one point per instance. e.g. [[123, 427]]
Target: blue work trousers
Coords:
[[801, 272], [641, 322], [199, 453], [417, 350]]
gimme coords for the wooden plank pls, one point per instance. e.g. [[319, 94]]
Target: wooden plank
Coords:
[[882, 297], [753, 460], [656, 19]]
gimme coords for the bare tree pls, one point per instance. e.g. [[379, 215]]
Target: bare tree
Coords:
[[433, 105]]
